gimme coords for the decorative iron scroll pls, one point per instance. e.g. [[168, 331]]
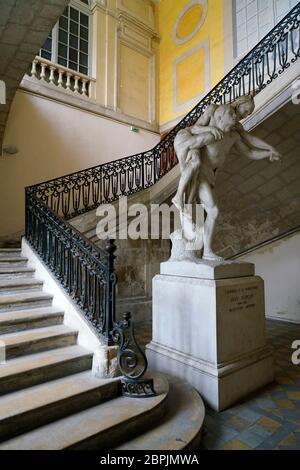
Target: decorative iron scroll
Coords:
[[85, 271], [85, 190], [132, 361]]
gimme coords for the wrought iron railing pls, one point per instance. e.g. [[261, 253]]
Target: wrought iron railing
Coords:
[[85, 190], [84, 270]]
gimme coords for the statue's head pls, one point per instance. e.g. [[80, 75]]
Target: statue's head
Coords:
[[226, 118], [244, 106]]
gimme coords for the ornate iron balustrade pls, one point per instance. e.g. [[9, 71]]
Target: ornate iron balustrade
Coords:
[[87, 272], [84, 270], [85, 190]]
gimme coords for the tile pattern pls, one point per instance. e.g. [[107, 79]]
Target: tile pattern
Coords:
[[270, 417]]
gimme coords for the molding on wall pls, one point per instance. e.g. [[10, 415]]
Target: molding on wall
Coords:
[[229, 61], [185, 10], [140, 39], [35, 87], [123, 10], [204, 44], [268, 101], [126, 17], [137, 36], [124, 27], [122, 14], [151, 56]]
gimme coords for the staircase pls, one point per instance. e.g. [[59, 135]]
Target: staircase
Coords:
[[48, 395], [50, 398]]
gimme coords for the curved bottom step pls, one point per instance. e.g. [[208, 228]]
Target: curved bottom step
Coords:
[[181, 426], [99, 427]]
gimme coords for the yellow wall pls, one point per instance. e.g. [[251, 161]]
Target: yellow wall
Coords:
[[191, 70]]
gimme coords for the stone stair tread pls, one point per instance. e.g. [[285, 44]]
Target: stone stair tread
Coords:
[[28, 314], [28, 364], [19, 282], [179, 427], [30, 336], [80, 427], [38, 396], [12, 259], [23, 297], [9, 270], [10, 250], [10, 253]]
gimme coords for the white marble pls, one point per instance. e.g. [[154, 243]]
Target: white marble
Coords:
[[202, 150], [207, 269], [211, 332]]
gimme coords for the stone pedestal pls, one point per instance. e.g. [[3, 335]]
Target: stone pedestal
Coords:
[[209, 328]]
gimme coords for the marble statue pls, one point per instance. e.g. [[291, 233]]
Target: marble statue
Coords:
[[202, 150]]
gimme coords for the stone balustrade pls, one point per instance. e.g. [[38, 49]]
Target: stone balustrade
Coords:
[[63, 77]]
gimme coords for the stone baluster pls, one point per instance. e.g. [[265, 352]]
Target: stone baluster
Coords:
[[43, 72], [52, 78], [92, 90], [82, 85], [33, 68], [76, 84], [60, 78], [84, 88], [68, 84]]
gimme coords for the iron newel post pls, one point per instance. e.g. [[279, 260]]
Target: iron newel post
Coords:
[[132, 361]]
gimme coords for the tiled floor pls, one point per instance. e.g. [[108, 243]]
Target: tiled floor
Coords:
[[268, 419]]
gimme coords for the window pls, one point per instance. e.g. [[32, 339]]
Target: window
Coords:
[[253, 19], [46, 51], [68, 43]]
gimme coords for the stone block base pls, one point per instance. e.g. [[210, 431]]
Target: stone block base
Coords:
[[211, 332], [219, 388]]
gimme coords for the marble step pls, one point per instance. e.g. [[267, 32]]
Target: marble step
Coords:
[[20, 285], [20, 320], [180, 427], [27, 371], [12, 271], [99, 427], [13, 261], [37, 340], [23, 411], [23, 300], [10, 250]]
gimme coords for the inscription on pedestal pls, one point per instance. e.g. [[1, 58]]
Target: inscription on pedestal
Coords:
[[241, 298]]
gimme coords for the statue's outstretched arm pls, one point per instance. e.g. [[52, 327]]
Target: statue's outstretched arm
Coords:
[[255, 142], [255, 153]]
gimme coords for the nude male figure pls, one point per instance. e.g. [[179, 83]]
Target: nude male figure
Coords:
[[202, 151]]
